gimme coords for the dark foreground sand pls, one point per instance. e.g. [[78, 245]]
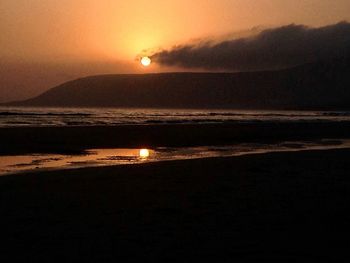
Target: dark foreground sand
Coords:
[[283, 207]]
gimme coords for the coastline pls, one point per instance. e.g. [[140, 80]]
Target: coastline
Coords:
[[75, 139]]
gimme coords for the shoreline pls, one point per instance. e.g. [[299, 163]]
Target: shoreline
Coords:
[[183, 162], [22, 140], [320, 148]]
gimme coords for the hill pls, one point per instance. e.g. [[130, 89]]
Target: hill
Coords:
[[322, 85]]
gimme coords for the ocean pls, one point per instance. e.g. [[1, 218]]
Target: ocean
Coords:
[[36, 117]]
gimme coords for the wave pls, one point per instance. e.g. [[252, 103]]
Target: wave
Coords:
[[12, 117], [337, 114], [8, 113]]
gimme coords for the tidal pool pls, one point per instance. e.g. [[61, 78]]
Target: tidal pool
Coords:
[[121, 156]]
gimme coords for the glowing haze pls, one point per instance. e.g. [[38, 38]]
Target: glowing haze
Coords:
[[44, 43]]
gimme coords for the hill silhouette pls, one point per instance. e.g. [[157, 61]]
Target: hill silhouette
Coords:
[[322, 85]]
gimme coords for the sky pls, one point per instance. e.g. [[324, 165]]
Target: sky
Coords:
[[45, 43]]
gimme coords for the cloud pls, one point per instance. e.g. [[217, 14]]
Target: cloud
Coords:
[[273, 48]]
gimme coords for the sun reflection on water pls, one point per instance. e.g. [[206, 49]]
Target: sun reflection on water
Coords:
[[121, 156], [144, 153]]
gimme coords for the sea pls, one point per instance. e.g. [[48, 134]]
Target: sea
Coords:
[[37, 117]]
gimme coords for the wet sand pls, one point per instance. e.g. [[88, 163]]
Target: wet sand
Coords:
[[24, 140], [277, 207]]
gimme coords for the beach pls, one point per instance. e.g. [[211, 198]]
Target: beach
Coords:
[[74, 139], [282, 207]]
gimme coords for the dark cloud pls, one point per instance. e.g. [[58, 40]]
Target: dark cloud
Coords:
[[270, 49]]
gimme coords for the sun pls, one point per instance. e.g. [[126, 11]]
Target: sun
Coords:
[[146, 61]]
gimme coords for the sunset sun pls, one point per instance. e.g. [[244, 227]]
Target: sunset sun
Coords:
[[145, 61]]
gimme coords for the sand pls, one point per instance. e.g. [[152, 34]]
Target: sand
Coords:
[[23, 140], [278, 207]]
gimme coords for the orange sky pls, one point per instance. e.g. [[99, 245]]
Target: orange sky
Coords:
[[73, 38]]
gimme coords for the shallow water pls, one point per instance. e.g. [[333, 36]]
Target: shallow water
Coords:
[[36, 117], [107, 157]]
